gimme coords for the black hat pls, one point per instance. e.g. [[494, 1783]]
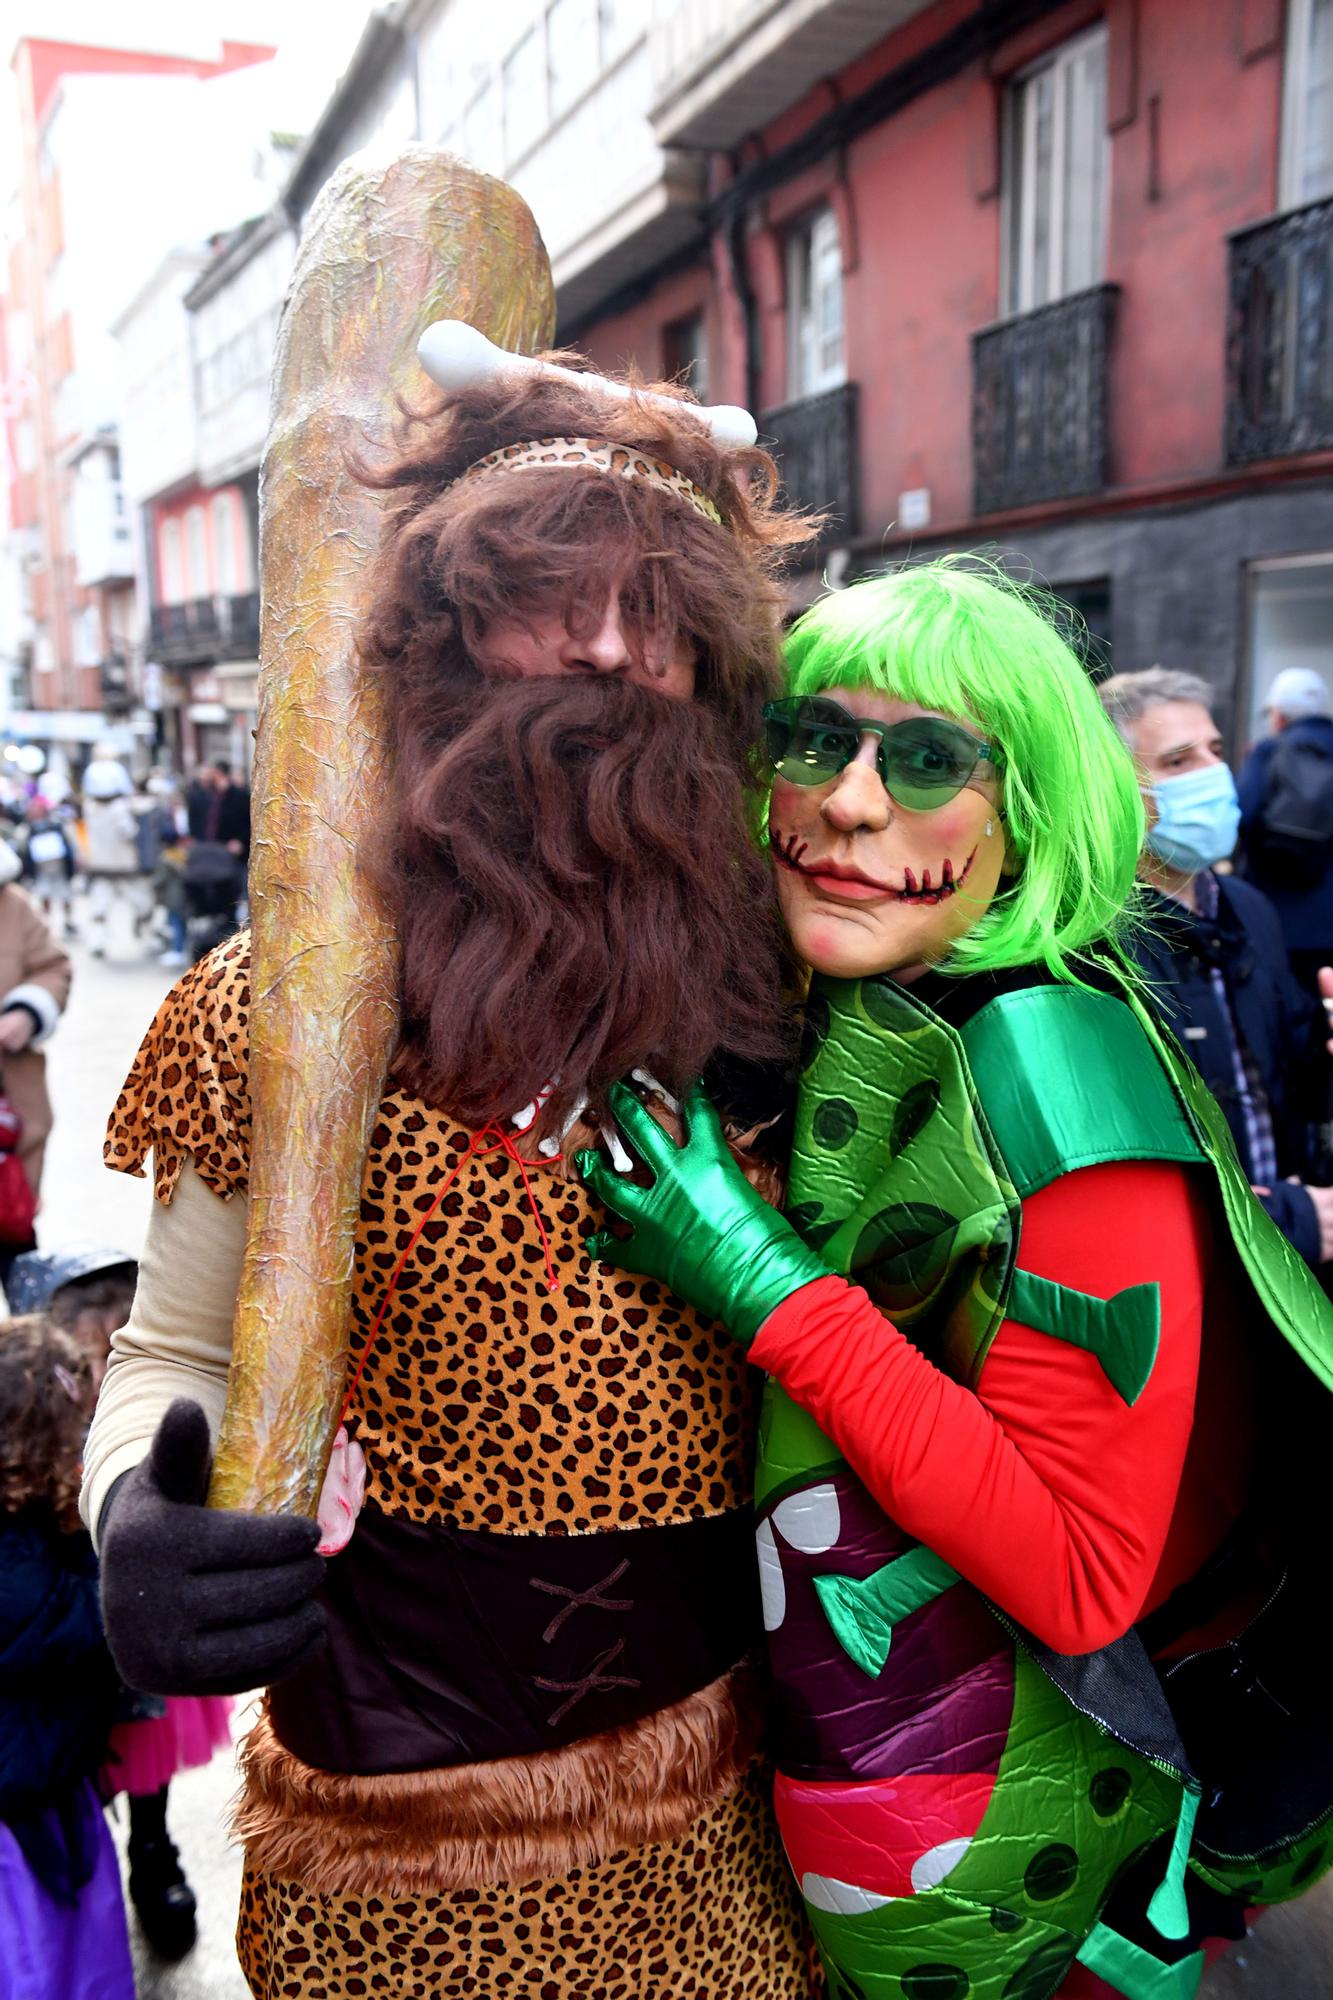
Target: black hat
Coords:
[[38, 1275]]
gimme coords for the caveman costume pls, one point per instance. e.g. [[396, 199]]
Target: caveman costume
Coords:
[[525, 1760], [1043, 1392]]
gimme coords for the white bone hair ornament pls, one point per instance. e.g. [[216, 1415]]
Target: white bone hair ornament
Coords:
[[457, 357]]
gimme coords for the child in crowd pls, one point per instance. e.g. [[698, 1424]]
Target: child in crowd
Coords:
[[49, 861], [166, 833], [61, 1914], [87, 1290]]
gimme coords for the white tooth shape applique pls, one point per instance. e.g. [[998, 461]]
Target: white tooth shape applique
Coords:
[[811, 1521], [930, 1868], [841, 1899], [772, 1589]]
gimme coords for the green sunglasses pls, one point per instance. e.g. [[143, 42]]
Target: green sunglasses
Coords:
[[922, 762]]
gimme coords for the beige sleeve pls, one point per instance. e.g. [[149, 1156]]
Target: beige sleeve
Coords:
[[177, 1340]]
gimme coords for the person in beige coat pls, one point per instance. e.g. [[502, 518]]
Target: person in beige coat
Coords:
[[34, 986]]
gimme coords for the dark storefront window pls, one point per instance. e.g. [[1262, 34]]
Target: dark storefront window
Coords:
[[685, 354], [1088, 622]]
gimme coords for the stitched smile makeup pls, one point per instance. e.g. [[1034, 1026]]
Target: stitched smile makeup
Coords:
[[845, 884]]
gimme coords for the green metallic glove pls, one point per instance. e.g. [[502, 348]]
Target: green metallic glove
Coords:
[[700, 1228]]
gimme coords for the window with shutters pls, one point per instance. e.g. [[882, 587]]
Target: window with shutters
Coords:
[[1307, 104], [571, 51], [523, 82], [815, 355], [1057, 157], [196, 541], [225, 553], [173, 572]]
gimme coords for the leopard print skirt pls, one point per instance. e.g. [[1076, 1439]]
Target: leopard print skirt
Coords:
[[712, 1916]]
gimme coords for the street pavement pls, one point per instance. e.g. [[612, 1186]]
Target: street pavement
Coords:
[[1289, 1957]]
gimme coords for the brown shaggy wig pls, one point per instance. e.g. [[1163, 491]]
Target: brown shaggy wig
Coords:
[[569, 861], [45, 1404], [456, 558]]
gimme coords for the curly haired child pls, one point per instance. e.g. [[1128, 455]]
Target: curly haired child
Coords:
[[87, 1289], [61, 1912]]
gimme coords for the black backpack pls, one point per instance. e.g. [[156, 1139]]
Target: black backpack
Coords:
[[1294, 837]]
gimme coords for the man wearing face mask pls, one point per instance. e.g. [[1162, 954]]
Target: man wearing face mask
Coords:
[[1216, 957]]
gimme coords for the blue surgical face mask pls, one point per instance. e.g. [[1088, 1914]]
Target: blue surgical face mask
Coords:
[[1198, 817]]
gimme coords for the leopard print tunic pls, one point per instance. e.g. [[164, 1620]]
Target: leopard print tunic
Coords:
[[490, 1404], [487, 1400]]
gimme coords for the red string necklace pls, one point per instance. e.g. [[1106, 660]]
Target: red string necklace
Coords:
[[502, 1143]]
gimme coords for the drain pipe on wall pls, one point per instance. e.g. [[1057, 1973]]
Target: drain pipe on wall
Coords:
[[740, 279]]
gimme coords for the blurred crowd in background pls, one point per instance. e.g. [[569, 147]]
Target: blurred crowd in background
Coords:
[[169, 853]]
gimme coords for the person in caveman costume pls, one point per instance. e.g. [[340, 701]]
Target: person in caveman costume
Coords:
[[1046, 1422], [510, 1745]]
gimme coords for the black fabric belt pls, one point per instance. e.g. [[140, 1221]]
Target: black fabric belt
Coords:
[[453, 1647]]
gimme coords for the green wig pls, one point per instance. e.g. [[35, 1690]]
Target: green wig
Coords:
[[960, 636]]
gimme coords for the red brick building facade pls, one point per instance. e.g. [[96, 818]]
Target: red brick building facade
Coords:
[[65, 503], [1053, 278]]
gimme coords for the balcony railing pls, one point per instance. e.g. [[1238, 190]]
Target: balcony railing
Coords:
[[242, 620], [1280, 336], [1039, 402], [815, 443], [205, 630]]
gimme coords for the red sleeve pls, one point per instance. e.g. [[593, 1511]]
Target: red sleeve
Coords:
[[1042, 1488]]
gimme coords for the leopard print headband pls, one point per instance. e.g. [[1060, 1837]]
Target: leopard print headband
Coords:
[[617, 461]]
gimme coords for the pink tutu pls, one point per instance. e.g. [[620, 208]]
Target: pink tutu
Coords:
[[144, 1756]]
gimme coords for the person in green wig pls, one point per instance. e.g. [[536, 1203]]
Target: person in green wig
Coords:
[[1037, 1499]]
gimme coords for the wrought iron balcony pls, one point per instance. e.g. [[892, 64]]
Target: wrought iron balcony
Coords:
[[1039, 402], [204, 631], [242, 624], [815, 442], [1280, 336]]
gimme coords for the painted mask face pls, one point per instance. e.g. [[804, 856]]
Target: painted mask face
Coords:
[[868, 884], [605, 639]]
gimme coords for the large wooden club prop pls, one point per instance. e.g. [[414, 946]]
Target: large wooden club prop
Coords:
[[387, 251]]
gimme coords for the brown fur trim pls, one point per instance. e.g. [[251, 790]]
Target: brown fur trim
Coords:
[[426, 1832]]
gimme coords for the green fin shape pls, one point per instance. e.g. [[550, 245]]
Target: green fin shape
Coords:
[[1122, 1331], [1135, 1972], [1168, 1912], [862, 1612]]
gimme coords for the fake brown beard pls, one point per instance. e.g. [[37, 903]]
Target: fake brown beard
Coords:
[[578, 895]]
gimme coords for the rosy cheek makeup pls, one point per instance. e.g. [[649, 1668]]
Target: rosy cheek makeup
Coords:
[[950, 828]]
